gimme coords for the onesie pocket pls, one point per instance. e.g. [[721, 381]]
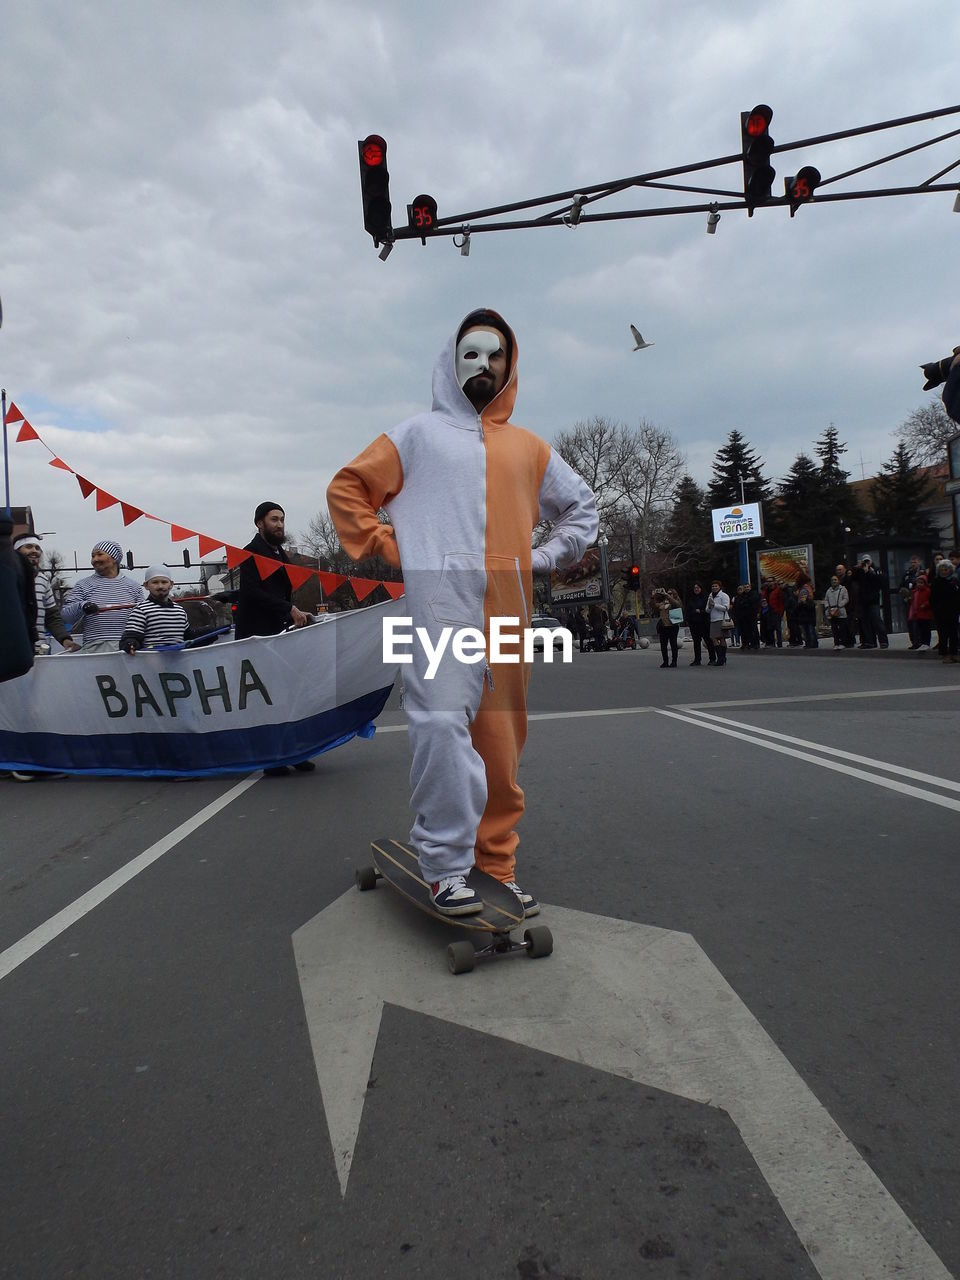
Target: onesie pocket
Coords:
[[458, 599]]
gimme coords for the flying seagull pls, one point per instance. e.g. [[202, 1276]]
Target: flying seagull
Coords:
[[638, 339]]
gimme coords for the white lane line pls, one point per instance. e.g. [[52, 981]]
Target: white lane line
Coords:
[[823, 697], [930, 779], [33, 942], [891, 784], [550, 715]]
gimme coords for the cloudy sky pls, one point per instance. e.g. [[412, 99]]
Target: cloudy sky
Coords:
[[195, 320]]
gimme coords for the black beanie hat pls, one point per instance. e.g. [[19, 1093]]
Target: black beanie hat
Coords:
[[264, 509]]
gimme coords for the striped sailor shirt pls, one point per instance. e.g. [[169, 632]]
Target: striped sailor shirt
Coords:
[[157, 624], [103, 592]]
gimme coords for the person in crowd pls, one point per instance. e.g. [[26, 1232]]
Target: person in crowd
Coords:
[[745, 612], [49, 618], [697, 621], [465, 488], [18, 601], [718, 610], [669, 609], [807, 617], [951, 389], [871, 586], [265, 605], [578, 626], [920, 614], [846, 580], [790, 613], [908, 584], [771, 614], [945, 603], [103, 600], [598, 628], [835, 601]]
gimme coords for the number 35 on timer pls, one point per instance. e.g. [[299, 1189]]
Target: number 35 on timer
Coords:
[[422, 215]]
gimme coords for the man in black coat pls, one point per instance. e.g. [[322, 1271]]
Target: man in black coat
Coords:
[[951, 392], [264, 605]]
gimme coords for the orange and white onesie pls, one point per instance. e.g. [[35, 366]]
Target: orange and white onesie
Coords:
[[464, 492]]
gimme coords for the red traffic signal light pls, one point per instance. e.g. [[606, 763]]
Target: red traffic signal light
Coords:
[[422, 214], [375, 189], [801, 188], [633, 577], [756, 146]]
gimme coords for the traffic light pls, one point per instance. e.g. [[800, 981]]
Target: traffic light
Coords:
[[375, 189], [422, 214], [632, 576], [801, 188], [756, 144]]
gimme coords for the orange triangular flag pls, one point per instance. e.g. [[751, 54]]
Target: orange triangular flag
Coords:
[[130, 513], [393, 589], [206, 545], [13, 414], [179, 534], [236, 555], [59, 462], [266, 566], [105, 500], [86, 488], [298, 574], [330, 581], [26, 432], [363, 587]]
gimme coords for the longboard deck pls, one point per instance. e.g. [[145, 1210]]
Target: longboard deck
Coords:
[[398, 864]]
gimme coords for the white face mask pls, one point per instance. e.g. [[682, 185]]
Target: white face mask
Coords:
[[474, 351]]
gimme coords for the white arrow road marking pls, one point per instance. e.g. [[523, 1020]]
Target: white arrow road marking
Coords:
[[639, 1002]]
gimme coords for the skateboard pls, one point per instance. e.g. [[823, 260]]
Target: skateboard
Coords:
[[502, 913]]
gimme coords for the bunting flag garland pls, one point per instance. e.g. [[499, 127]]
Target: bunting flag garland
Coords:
[[235, 556]]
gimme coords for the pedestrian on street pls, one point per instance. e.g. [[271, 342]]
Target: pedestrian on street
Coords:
[[698, 621], [835, 601], [718, 610]]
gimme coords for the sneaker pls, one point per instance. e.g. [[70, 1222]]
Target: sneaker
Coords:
[[277, 771], [529, 903], [305, 766], [19, 776], [453, 897]]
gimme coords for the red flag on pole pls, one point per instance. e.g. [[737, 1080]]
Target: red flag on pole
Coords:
[[298, 574], [266, 566], [236, 556], [59, 462], [86, 488], [13, 415], [105, 500], [130, 513], [26, 432], [179, 534], [206, 545], [363, 587]]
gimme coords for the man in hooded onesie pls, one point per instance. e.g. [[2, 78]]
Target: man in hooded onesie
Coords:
[[464, 489]]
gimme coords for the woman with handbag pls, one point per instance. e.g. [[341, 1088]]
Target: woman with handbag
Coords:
[[669, 607], [721, 624]]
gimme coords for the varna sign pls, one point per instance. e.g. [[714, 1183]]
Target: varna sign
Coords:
[[733, 524]]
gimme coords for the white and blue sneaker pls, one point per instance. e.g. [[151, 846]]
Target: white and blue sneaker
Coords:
[[529, 903], [453, 897]]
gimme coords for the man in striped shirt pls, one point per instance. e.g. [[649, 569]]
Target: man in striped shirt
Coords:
[[158, 620], [103, 600]]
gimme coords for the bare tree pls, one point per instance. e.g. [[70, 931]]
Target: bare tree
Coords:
[[925, 432], [52, 568], [649, 467]]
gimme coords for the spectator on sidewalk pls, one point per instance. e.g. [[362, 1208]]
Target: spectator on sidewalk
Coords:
[[835, 601], [698, 621], [945, 602], [771, 614], [807, 617], [920, 615], [871, 586]]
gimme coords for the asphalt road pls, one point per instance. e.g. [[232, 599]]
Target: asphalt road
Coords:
[[741, 1060]]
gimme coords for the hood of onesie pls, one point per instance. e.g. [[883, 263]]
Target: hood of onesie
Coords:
[[448, 397]]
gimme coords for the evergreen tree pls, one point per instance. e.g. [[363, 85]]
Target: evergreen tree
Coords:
[[798, 514], [734, 462], [688, 534], [842, 514], [898, 493]]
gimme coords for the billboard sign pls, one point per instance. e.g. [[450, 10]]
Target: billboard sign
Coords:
[[733, 524]]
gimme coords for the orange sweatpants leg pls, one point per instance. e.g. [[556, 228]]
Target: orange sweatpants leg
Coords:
[[499, 731]]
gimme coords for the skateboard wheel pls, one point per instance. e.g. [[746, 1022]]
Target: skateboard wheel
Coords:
[[366, 877], [461, 957], [539, 941]]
